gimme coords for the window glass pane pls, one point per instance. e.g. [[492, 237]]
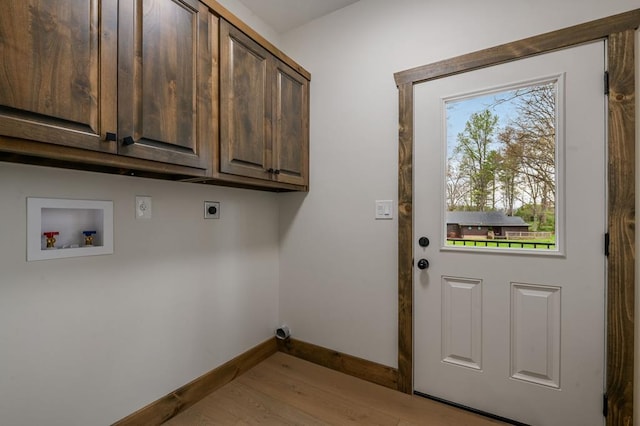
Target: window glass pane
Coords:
[[501, 169]]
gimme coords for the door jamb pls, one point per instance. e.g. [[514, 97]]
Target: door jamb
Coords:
[[619, 31]]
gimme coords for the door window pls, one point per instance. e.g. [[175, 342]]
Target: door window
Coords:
[[501, 181]]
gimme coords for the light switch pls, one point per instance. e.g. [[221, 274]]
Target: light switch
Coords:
[[384, 209]]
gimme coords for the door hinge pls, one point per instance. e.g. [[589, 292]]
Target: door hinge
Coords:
[[606, 244], [605, 405], [606, 82]]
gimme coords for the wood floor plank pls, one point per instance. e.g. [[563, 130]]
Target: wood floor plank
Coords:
[[284, 390], [209, 411], [259, 401], [326, 402], [242, 404], [325, 406], [408, 407], [199, 419]]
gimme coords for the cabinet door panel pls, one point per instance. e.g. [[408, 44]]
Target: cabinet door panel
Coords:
[[159, 101], [291, 125], [245, 111], [58, 73]]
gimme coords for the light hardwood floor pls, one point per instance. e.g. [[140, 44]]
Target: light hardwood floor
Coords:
[[284, 390]]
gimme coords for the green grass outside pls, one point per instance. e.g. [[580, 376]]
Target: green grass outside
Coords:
[[505, 243]]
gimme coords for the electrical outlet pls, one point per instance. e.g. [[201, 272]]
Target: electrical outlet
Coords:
[[212, 210], [143, 207]]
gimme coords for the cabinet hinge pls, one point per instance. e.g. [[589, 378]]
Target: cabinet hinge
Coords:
[[606, 244], [606, 82], [605, 405]]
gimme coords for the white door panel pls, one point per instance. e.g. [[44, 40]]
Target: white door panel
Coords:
[[517, 333]]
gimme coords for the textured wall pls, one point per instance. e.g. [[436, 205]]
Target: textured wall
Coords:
[[337, 264], [87, 341]]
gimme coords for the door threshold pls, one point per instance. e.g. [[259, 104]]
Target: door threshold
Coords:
[[472, 410]]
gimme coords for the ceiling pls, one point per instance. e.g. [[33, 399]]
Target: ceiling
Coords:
[[284, 15]]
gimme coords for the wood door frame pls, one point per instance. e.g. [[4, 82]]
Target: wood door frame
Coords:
[[619, 31]]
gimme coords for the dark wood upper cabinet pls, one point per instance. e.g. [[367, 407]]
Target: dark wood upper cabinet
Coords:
[[290, 127], [130, 77], [58, 72], [264, 112], [245, 107], [165, 65], [176, 89]]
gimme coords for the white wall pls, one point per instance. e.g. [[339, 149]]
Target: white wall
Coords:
[[252, 20], [338, 265], [90, 340], [87, 341]]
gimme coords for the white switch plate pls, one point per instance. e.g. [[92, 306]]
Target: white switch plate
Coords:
[[143, 207], [384, 209]]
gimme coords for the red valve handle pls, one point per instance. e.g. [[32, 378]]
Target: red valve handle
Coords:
[[50, 234]]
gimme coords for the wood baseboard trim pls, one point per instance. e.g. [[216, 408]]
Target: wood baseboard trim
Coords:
[[344, 363], [175, 402]]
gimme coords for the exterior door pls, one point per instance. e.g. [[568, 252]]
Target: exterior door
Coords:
[[501, 325]]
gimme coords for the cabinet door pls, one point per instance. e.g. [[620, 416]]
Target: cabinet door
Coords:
[[245, 107], [58, 71], [290, 125], [164, 82]]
